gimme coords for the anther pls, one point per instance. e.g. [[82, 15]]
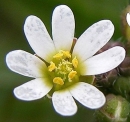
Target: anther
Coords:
[[51, 67], [75, 62], [66, 54], [58, 56], [58, 80], [72, 74]]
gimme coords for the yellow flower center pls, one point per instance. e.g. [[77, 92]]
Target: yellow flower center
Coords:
[[63, 68]]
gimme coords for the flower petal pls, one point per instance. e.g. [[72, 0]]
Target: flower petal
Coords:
[[88, 95], [104, 61], [63, 103], [128, 18], [63, 25], [25, 64], [93, 39], [38, 37], [32, 90]]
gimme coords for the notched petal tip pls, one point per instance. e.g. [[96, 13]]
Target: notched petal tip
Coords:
[[88, 95], [63, 103]]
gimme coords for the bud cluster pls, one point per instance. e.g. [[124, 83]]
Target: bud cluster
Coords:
[[115, 84]]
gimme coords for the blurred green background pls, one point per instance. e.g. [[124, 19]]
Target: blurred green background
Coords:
[[12, 16]]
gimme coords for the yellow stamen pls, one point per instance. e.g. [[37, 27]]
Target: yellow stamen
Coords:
[[58, 56], [72, 74], [58, 80], [75, 62], [64, 67], [66, 54], [52, 66]]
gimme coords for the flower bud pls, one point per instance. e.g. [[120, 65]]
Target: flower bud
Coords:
[[125, 67], [122, 86], [116, 109]]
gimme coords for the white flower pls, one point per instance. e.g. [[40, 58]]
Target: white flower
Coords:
[[128, 18], [57, 66]]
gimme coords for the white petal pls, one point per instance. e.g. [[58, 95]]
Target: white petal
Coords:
[[63, 25], [25, 64], [104, 61], [32, 90], [38, 37], [63, 103], [128, 18], [93, 39], [88, 95]]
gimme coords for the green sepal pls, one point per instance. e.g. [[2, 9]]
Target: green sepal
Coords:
[[122, 86], [87, 79], [116, 109]]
